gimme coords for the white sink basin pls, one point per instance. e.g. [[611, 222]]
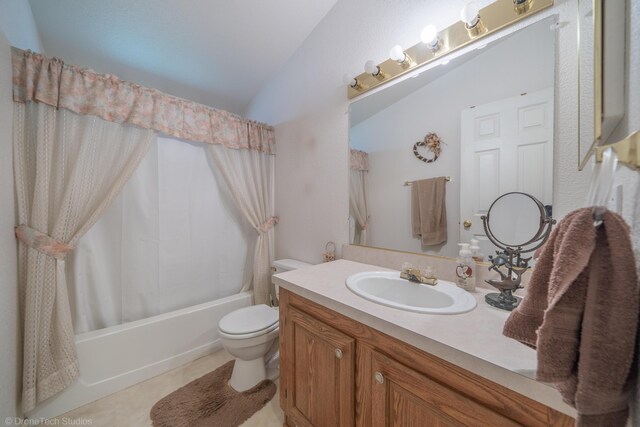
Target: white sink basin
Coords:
[[387, 288]]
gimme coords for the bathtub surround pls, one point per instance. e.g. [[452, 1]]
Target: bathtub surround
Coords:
[[210, 401], [155, 345], [74, 149]]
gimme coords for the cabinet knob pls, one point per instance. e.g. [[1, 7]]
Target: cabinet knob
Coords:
[[338, 353], [467, 224], [379, 377]]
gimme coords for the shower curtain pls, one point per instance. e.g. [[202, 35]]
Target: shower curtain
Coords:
[[250, 177], [172, 239], [68, 168], [78, 136], [358, 192]]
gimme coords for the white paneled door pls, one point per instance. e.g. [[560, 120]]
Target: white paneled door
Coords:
[[506, 146]]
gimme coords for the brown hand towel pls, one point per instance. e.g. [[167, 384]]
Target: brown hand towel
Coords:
[[429, 210], [581, 314]]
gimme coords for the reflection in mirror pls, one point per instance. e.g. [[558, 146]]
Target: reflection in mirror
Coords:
[[492, 110], [514, 220]]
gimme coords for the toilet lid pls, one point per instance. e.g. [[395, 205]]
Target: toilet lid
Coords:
[[248, 320]]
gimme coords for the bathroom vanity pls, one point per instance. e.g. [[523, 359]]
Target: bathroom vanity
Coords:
[[349, 361]]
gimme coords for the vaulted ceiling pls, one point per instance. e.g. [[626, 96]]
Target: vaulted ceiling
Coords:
[[217, 52]]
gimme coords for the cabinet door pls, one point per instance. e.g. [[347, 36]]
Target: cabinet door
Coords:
[[404, 397], [317, 375]]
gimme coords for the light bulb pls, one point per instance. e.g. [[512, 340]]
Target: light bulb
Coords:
[[469, 14], [429, 36], [348, 80], [397, 53], [371, 67]]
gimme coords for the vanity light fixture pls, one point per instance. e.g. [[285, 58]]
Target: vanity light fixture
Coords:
[[351, 82], [522, 6], [370, 67], [398, 54], [475, 24], [430, 37], [470, 15]]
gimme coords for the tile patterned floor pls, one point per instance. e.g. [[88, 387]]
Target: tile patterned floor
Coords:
[[130, 407]]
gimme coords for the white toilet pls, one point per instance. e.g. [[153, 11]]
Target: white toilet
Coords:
[[250, 334]]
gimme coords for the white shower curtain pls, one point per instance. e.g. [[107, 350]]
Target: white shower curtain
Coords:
[[68, 169], [250, 177], [172, 239]]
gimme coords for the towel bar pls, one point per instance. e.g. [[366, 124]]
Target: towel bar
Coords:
[[408, 183]]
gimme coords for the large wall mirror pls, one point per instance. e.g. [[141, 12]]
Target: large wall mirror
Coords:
[[492, 110]]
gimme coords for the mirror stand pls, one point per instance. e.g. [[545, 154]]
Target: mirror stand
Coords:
[[508, 262]]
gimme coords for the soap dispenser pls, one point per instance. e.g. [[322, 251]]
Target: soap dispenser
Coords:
[[475, 251], [465, 269]]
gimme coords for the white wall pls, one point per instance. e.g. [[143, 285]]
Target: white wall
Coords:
[[524, 62], [16, 28], [307, 103]]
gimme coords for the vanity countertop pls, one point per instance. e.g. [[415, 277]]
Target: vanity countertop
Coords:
[[472, 340]]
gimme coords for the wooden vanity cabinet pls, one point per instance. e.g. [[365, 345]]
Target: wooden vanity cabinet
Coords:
[[318, 387], [404, 397], [335, 371]]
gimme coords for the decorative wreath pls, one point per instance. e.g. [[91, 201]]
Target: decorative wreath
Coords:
[[432, 142]]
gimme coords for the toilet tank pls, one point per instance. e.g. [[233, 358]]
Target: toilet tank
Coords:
[[282, 265]]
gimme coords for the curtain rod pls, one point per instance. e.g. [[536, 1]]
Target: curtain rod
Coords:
[[408, 183]]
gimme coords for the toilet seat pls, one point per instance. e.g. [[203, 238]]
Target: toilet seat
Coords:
[[249, 322], [239, 337]]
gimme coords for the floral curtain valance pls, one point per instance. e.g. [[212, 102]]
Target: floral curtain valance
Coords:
[[37, 78], [358, 160]]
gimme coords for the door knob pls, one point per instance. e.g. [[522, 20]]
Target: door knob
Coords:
[[338, 353], [467, 224], [379, 377]]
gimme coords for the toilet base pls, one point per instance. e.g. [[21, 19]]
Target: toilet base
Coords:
[[247, 373]]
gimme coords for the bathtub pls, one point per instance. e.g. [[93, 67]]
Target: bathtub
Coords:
[[118, 357]]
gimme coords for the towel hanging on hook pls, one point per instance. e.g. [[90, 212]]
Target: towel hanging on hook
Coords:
[[602, 179]]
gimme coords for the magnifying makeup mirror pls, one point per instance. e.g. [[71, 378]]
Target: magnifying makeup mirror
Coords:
[[517, 223]]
